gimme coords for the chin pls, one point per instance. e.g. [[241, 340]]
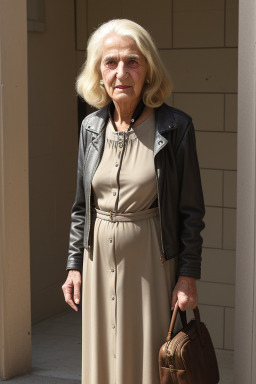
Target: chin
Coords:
[[124, 98]]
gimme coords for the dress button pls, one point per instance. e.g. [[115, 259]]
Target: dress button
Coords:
[[114, 193], [110, 240], [113, 326], [113, 297], [112, 270], [116, 164]]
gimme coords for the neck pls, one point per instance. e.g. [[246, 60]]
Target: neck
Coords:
[[123, 113]]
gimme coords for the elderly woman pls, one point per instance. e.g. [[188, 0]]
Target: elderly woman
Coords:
[[135, 243]]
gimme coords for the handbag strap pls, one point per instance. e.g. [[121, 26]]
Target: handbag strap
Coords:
[[183, 317]]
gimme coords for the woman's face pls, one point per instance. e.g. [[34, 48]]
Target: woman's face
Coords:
[[123, 69]]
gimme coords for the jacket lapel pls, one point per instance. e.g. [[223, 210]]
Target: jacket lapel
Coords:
[[164, 122], [96, 125]]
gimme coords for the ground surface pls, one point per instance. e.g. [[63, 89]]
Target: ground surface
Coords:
[[56, 353]]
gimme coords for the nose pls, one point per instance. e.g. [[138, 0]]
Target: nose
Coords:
[[121, 72]]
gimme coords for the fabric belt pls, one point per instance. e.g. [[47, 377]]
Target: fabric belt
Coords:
[[129, 216]]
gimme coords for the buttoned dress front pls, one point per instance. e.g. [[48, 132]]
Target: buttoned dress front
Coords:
[[126, 289]]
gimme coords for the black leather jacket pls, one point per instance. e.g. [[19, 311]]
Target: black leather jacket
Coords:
[[180, 196]]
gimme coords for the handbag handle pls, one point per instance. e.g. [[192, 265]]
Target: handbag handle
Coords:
[[183, 317]]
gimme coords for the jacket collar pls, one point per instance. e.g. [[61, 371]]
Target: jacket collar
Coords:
[[164, 119]]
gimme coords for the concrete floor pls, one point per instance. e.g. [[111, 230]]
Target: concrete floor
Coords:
[[56, 353]]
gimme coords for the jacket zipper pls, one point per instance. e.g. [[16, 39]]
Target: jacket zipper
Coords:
[[89, 238], [162, 258], [89, 206]]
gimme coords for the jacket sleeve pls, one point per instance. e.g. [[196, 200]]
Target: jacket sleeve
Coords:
[[191, 206], [76, 237]]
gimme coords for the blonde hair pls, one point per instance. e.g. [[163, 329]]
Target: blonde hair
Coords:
[[159, 85]]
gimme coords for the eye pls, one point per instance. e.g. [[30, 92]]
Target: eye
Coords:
[[132, 63], [110, 63]]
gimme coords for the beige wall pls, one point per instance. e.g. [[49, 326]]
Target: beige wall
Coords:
[[203, 65], [198, 43], [53, 138], [15, 327], [245, 316], [206, 87]]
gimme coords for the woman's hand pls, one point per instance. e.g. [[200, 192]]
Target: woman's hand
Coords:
[[72, 288], [185, 292]]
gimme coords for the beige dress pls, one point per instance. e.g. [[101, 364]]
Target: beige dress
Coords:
[[126, 292]]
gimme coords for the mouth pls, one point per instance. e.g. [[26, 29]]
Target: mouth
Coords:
[[122, 86]]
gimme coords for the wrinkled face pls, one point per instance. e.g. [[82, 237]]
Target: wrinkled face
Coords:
[[123, 69]]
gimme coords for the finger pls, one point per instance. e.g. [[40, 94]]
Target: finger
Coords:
[[69, 301], [187, 301], [194, 303], [183, 301], [77, 289], [174, 300], [68, 294], [192, 300]]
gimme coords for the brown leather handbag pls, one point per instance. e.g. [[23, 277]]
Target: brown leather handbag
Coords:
[[188, 357]]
